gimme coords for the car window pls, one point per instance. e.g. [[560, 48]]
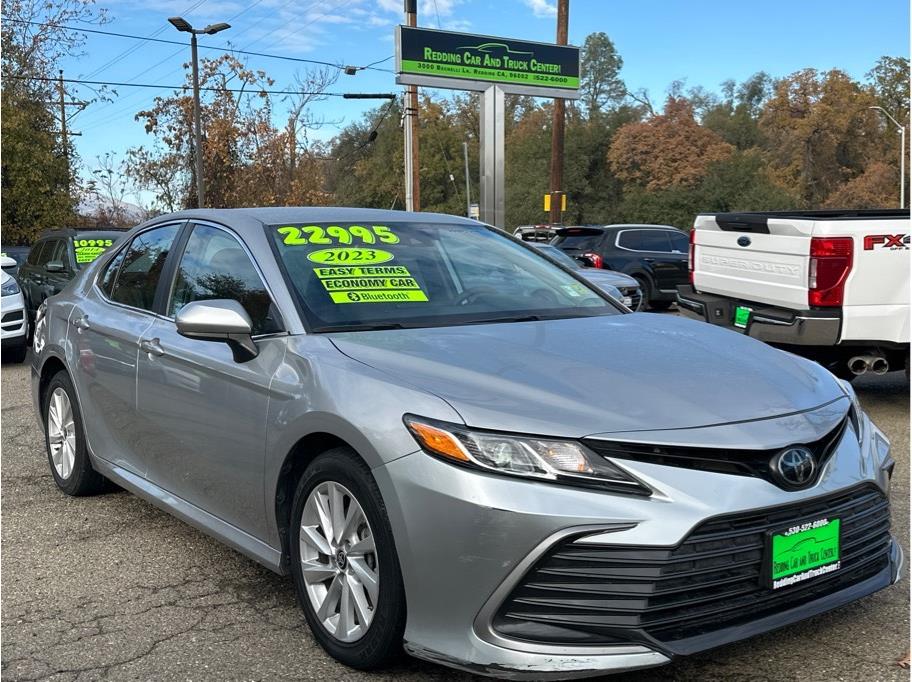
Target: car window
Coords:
[[43, 252], [58, 253], [109, 275], [645, 240], [142, 265], [561, 257], [579, 242], [214, 265], [679, 242], [418, 274]]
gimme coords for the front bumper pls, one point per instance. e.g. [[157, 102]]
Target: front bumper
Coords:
[[767, 323], [465, 540], [12, 320]]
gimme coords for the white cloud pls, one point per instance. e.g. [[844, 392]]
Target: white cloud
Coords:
[[542, 8]]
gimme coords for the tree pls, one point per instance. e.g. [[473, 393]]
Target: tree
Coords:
[[38, 191], [248, 161], [819, 133], [890, 80], [876, 187], [600, 85], [671, 150]]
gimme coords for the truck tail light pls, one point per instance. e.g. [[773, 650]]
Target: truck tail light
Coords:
[[691, 261], [593, 258], [830, 264]]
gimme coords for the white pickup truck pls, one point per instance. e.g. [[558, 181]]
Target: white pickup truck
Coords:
[[830, 285]]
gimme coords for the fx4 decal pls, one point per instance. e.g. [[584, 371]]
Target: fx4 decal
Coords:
[[886, 241]]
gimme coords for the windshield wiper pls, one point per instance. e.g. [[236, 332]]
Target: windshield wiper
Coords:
[[360, 327], [504, 320]]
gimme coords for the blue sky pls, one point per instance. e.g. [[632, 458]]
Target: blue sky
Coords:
[[703, 42]]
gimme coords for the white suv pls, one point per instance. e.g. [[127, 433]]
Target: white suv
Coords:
[[12, 317]]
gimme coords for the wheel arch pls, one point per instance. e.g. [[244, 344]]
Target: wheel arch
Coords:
[[49, 368], [297, 459]]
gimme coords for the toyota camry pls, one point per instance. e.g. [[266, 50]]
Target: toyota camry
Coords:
[[337, 394]]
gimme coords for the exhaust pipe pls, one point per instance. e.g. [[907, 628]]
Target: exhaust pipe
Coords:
[[879, 365], [858, 365]]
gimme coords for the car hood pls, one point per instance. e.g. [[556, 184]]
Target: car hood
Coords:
[[603, 277], [584, 376]]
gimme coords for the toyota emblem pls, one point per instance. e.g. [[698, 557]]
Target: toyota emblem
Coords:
[[795, 465]]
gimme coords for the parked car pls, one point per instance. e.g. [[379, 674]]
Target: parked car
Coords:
[[655, 255], [534, 233], [830, 285], [17, 254], [522, 480], [627, 288], [56, 258], [12, 315]]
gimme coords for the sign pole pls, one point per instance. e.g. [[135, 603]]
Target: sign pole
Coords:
[[492, 156], [557, 126], [412, 189], [465, 156]]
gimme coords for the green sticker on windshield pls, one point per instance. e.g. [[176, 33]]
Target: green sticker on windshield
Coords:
[[350, 255], [370, 284], [88, 250]]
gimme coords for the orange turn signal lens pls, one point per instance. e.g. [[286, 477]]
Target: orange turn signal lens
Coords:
[[438, 441]]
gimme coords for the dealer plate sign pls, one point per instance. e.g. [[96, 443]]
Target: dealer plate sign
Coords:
[[515, 64], [804, 552]]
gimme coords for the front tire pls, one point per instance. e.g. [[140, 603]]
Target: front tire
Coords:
[[65, 441], [344, 562], [16, 354]]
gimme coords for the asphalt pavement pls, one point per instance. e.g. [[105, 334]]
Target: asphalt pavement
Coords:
[[111, 588]]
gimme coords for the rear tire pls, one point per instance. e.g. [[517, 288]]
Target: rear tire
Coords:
[[660, 305], [357, 566], [65, 442]]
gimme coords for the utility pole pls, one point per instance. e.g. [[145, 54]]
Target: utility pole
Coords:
[[412, 189], [465, 156], [63, 126], [902, 154], [557, 125]]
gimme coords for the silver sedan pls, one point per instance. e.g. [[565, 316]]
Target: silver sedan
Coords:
[[337, 394]]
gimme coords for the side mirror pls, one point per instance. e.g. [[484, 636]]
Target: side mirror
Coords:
[[219, 320], [55, 266], [7, 262]]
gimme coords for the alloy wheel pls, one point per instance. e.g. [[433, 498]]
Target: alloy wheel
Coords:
[[61, 430], [339, 561]]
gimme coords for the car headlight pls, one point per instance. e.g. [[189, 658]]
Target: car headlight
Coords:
[[9, 288], [544, 459]]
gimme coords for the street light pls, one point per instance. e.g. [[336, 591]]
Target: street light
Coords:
[[183, 25], [902, 155]]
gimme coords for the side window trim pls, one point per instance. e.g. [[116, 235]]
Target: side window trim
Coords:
[[123, 246], [182, 241]]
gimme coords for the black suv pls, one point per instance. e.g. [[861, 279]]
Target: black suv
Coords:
[[56, 258], [655, 255]]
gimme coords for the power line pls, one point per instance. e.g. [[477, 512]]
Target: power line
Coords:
[[346, 95], [182, 44]]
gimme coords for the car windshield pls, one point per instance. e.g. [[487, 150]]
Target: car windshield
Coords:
[[415, 274], [559, 256]]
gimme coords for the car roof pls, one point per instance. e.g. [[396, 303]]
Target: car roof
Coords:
[[300, 214], [84, 232]]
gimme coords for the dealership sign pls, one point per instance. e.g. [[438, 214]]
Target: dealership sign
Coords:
[[462, 61]]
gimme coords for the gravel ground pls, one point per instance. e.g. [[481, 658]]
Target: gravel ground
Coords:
[[112, 588]]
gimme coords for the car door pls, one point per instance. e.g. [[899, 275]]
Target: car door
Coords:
[[30, 274], [106, 326], [653, 248], [204, 412], [58, 269]]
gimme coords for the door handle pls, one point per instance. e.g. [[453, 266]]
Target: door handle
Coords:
[[82, 323], [650, 260], [151, 346]]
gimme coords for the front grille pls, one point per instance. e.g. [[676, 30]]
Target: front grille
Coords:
[[755, 463], [11, 317], [634, 294], [595, 594]]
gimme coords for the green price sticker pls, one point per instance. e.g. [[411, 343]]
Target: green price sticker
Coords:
[[343, 256], [742, 316]]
